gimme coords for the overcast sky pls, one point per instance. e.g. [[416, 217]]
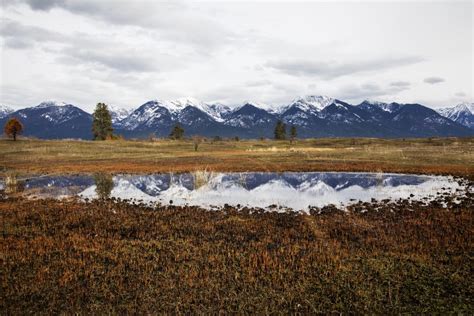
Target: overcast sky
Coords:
[[125, 53]]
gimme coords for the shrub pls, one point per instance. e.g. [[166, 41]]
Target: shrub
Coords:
[[13, 127]]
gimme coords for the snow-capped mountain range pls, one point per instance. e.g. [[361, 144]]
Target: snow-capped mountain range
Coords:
[[462, 113], [314, 116], [52, 119]]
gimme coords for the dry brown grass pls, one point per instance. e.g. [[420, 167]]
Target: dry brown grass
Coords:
[[437, 155], [105, 257]]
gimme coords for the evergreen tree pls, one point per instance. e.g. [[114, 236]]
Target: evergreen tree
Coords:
[[177, 132], [280, 130], [293, 133], [102, 123]]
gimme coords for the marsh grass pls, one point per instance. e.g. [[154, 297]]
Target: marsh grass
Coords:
[[113, 257], [438, 155], [12, 183], [202, 177]]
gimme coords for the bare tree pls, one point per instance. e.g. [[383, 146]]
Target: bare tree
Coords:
[[197, 140]]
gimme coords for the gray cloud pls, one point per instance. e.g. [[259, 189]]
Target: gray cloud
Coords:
[[433, 80], [25, 36], [368, 91], [44, 4], [129, 51], [18, 43], [400, 84], [460, 94], [365, 91], [333, 69], [266, 92], [79, 49], [174, 21], [121, 61], [258, 83]]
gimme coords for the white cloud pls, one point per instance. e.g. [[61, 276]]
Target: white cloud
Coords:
[[127, 52], [333, 69]]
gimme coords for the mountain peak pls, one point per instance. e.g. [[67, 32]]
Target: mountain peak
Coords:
[[175, 107], [5, 110], [5, 107], [316, 98], [387, 107], [312, 103], [462, 108], [49, 103], [465, 106], [462, 113], [374, 102], [118, 113], [264, 106], [179, 104]]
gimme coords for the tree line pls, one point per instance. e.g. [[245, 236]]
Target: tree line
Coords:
[[102, 128]]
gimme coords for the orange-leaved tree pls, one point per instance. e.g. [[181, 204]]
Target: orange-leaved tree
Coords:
[[13, 127]]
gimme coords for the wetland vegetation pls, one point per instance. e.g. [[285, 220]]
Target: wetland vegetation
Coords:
[[112, 256], [452, 156]]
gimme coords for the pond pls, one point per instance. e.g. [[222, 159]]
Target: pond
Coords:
[[294, 190]]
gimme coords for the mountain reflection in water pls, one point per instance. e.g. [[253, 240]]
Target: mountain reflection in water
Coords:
[[296, 190]]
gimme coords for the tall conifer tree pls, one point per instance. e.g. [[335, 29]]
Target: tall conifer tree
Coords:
[[102, 123]]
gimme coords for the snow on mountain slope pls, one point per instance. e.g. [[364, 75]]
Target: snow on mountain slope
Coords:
[[470, 106], [462, 113], [455, 111], [217, 111], [249, 115], [386, 107], [5, 110], [311, 103], [213, 110], [53, 111], [146, 115], [118, 113], [266, 107], [176, 106], [61, 114], [54, 120], [155, 109], [47, 104]]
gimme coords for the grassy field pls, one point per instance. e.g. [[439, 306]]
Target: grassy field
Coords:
[[108, 257], [105, 257], [436, 155]]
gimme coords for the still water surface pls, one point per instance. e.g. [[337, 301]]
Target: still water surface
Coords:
[[295, 190]]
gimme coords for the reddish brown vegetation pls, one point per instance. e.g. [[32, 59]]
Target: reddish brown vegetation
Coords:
[[436, 156], [106, 257]]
